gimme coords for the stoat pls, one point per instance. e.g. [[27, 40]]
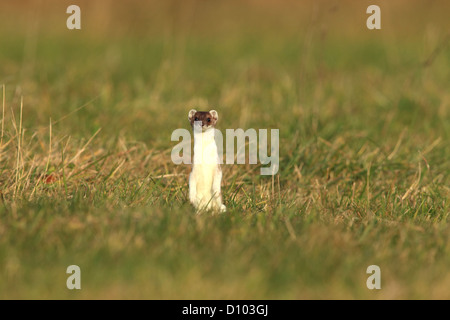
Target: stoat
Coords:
[[206, 175]]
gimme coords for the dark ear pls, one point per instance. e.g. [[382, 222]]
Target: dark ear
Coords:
[[191, 114], [214, 114]]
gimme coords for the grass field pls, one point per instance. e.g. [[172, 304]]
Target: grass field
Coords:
[[86, 176]]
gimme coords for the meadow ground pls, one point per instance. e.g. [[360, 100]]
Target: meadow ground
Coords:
[[86, 176]]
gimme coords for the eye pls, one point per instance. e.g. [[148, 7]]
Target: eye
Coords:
[[209, 119], [196, 119]]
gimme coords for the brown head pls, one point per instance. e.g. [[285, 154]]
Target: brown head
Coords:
[[207, 119]]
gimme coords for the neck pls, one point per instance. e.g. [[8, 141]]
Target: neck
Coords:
[[204, 135]]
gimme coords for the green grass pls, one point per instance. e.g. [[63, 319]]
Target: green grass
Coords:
[[86, 176]]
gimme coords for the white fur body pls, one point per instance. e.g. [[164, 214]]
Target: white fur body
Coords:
[[206, 176]]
